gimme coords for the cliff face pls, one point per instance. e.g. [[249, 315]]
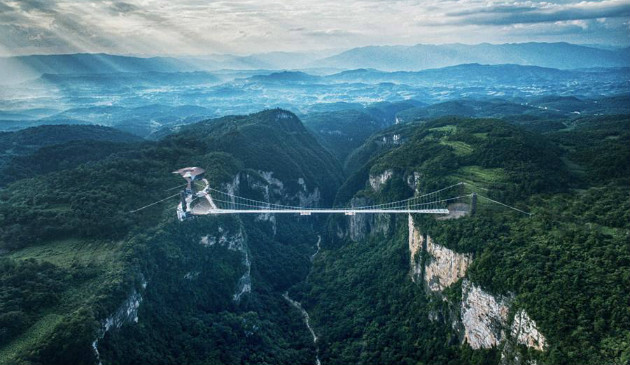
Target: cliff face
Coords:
[[377, 181], [416, 241], [444, 266], [234, 241], [126, 313], [484, 317], [481, 316], [359, 226], [525, 332]]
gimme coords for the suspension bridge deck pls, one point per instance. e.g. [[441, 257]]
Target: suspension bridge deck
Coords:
[[203, 202], [318, 211]]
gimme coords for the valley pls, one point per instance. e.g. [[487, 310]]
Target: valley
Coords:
[[491, 287], [101, 264]]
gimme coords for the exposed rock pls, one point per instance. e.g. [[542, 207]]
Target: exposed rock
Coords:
[[207, 241], [444, 266], [245, 282], [416, 241], [233, 241], [484, 317], [413, 180], [126, 313], [232, 188], [359, 224], [191, 275], [268, 176], [525, 332], [392, 139], [309, 200], [377, 181]]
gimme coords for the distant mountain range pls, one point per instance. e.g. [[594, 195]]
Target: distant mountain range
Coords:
[[423, 56], [24, 67], [386, 58]]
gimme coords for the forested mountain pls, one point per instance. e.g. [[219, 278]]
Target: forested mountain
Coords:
[[391, 290], [88, 278], [48, 148], [107, 266]]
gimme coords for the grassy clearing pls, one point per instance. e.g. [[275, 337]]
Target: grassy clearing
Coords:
[[447, 128], [105, 258], [65, 253], [481, 135], [103, 261], [573, 167], [461, 148], [480, 176], [36, 334]]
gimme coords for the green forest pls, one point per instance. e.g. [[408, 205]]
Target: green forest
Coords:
[[74, 254]]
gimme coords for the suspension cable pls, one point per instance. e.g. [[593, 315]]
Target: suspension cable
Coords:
[[505, 205], [154, 203]]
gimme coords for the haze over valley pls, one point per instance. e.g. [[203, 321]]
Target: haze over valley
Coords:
[[265, 182]]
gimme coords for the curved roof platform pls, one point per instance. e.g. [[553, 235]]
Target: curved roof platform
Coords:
[[190, 172]]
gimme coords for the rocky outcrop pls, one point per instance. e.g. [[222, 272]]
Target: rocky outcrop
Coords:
[[244, 285], [360, 226], [394, 139], [525, 332], [235, 242], [377, 181], [126, 313], [416, 242], [481, 319], [444, 266], [413, 180], [307, 199], [483, 316]]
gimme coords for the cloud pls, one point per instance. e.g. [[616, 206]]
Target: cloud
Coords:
[[539, 13], [248, 26], [45, 6], [329, 33], [120, 7]]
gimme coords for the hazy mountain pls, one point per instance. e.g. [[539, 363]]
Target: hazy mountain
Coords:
[[19, 68], [85, 139], [286, 77], [124, 79], [269, 60], [423, 56], [388, 58], [485, 74]]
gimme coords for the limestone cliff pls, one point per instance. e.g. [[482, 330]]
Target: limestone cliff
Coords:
[[126, 313], [234, 241], [483, 316], [444, 266], [377, 181], [416, 241], [525, 332]]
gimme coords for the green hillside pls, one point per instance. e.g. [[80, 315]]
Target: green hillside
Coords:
[[553, 264], [85, 278], [75, 226]]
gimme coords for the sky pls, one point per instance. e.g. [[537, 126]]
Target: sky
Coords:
[[196, 27]]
